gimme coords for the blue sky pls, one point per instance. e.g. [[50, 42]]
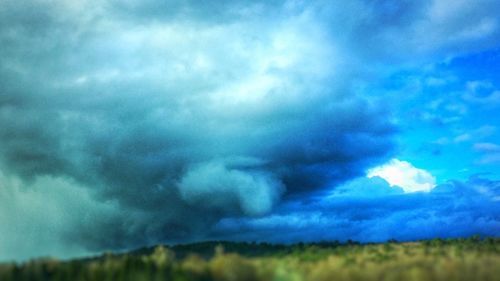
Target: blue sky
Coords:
[[132, 123], [447, 114]]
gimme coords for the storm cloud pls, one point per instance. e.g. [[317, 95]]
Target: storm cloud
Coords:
[[165, 117]]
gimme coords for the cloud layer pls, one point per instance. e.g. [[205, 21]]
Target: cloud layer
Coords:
[[381, 213]]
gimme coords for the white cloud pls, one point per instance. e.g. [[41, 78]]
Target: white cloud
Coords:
[[490, 158], [462, 138], [405, 175], [482, 92], [477, 134], [490, 151], [487, 147], [451, 23]]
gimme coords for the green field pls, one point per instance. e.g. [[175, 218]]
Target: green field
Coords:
[[450, 259]]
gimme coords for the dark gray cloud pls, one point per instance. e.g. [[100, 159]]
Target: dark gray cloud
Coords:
[[170, 124], [167, 116]]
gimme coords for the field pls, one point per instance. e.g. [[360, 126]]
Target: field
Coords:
[[450, 259]]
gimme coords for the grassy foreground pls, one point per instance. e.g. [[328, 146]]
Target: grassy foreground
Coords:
[[453, 259]]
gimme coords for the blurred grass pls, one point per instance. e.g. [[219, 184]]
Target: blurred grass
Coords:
[[438, 259]]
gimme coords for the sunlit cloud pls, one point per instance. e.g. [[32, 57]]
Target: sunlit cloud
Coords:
[[405, 175]]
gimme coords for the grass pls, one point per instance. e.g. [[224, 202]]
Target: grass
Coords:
[[451, 259]]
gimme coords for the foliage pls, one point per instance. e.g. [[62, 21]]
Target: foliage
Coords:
[[438, 259]]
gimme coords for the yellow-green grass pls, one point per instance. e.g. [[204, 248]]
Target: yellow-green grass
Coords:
[[447, 260]]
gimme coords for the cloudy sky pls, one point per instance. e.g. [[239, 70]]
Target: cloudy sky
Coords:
[[131, 123]]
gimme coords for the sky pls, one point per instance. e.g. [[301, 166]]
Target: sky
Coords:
[[132, 123]]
